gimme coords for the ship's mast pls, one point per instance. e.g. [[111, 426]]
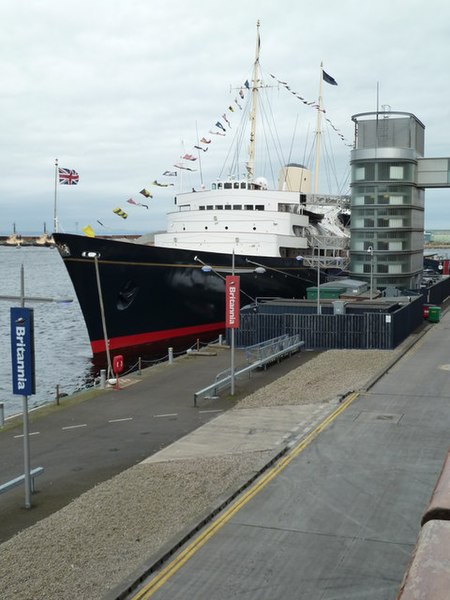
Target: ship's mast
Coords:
[[255, 89], [318, 131]]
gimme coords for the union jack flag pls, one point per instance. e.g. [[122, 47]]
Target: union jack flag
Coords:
[[68, 177]]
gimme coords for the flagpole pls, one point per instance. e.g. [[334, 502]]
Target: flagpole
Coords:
[[180, 185], [55, 213], [199, 156], [318, 131]]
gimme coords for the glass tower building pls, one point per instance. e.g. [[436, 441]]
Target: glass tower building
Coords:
[[387, 204]]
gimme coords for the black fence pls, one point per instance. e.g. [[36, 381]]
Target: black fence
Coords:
[[437, 293], [358, 328]]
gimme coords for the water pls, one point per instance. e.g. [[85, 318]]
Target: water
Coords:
[[62, 349]]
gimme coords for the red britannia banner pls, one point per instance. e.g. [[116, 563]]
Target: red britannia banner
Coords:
[[232, 301]]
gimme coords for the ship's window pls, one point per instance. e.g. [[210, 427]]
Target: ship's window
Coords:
[[254, 228], [227, 207], [228, 185], [206, 226], [243, 185], [259, 207], [219, 186], [213, 186], [219, 207], [226, 226], [236, 185], [237, 206], [248, 206], [209, 207], [201, 208]]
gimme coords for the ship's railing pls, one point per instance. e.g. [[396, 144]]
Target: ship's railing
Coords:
[[327, 251], [342, 201], [269, 352]]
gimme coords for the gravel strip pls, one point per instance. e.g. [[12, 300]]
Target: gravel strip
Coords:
[[94, 543]]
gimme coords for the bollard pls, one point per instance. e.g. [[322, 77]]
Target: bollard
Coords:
[[220, 339], [57, 394], [103, 379], [170, 356], [2, 414], [139, 366]]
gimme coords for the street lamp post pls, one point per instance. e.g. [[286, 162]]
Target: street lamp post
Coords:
[[232, 365], [318, 281], [370, 252], [96, 256]]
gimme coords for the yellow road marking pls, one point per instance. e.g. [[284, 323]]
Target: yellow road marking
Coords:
[[158, 581]]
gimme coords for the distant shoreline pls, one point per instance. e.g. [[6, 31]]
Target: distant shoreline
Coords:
[[34, 240]]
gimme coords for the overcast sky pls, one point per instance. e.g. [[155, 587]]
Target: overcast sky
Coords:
[[119, 90]]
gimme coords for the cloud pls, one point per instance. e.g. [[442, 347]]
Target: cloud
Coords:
[[118, 91]]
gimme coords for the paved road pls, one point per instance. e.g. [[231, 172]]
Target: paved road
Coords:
[[340, 518], [86, 443]]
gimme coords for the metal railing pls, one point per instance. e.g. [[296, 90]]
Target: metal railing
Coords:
[[268, 352], [5, 487]]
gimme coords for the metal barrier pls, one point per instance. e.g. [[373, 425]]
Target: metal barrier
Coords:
[[279, 347], [268, 347], [5, 487], [358, 329]]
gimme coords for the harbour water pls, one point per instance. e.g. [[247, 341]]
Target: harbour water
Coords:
[[62, 349]]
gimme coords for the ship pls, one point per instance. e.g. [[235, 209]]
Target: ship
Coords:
[[45, 239], [14, 239], [164, 290]]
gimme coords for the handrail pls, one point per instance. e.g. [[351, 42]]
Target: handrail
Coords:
[[5, 487], [294, 346]]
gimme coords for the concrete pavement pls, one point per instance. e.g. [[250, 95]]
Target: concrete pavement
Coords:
[[339, 517], [95, 435]]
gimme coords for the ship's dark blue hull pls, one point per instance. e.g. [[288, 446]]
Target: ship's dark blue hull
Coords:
[[161, 297]]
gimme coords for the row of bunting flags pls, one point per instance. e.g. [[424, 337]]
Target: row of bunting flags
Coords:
[[329, 79], [70, 177], [220, 128]]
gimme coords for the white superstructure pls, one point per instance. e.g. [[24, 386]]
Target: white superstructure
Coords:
[[247, 218]]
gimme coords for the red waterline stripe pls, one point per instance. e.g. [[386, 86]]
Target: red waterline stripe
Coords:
[[139, 339]]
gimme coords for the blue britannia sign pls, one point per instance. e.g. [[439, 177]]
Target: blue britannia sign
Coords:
[[22, 351]]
